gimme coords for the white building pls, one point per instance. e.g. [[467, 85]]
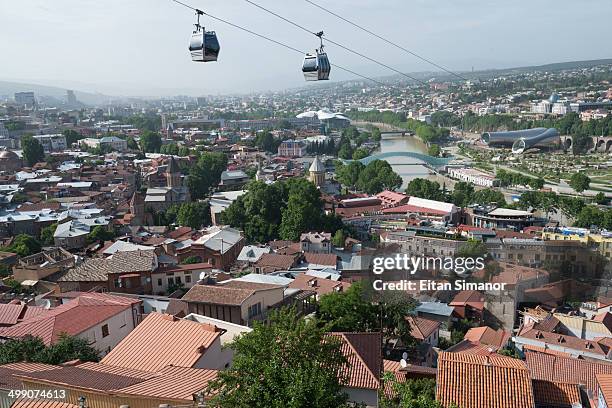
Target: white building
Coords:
[[473, 176]]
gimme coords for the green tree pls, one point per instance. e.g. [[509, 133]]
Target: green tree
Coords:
[[303, 207], [473, 249], [32, 349], [100, 233], [131, 143], [434, 150], [288, 363], [33, 151], [488, 196], [600, 198], [266, 142], [150, 142], [191, 260], [424, 188], [349, 311], [462, 194], [46, 235], [412, 393], [360, 153], [339, 238], [23, 245], [580, 182], [348, 174], [72, 136], [206, 174], [377, 176], [193, 215]]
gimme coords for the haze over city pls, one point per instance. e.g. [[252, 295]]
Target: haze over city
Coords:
[[139, 47]]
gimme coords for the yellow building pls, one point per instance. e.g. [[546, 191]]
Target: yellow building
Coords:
[[600, 243]]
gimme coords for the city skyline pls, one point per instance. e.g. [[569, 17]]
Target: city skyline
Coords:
[[117, 64]]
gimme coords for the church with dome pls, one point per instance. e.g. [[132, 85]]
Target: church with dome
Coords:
[[10, 162]]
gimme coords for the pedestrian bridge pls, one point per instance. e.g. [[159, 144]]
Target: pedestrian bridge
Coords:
[[389, 156]]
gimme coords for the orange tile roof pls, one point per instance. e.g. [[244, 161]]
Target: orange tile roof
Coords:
[[559, 395], [471, 347], [321, 259], [319, 285], [7, 371], [472, 381], [565, 369], [605, 385], [172, 383], [153, 344], [468, 298], [486, 335], [41, 403], [421, 328], [73, 318], [364, 354], [568, 342]]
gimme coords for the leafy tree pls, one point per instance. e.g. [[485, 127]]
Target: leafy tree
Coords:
[[345, 151], [131, 143], [412, 393], [288, 363], [33, 151], [348, 174], [151, 123], [206, 174], [393, 308], [24, 245], [5, 271], [348, 311], [100, 233], [184, 151], [191, 260], [600, 198], [32, 349], [303, 210], [150, 142], [592, 216], [170, 148], [473, 249], [360, 153], [377, 176], [266, 142], [580, 182], [424, 188], [46, 234], [488, 196], [462, 194], [434, 150], [72, 136], [339, 238], [193, 215]]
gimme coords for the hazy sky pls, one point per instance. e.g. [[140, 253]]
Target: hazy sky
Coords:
[[139, 47]]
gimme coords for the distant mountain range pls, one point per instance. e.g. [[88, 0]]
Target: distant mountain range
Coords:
[[58, 93]]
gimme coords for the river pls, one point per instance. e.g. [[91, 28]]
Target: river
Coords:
[[407, 167]]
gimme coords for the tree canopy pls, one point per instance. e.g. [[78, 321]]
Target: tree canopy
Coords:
[[288, 363], [580, 182], [150, 142], [377, 176], [284, 209], [206, 174], [33, 151], [424, 188], [32, 349], [23, 245], [194, 215]]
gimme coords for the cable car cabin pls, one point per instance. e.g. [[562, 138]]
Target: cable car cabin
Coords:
[[204, 46], [316, 67]]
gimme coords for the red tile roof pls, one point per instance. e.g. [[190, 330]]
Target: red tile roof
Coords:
[[11, 314], [41, 403], [605, 385], [566, 370], [153, 344], [364, 354], [319, 285], [471, 347], [421, 328], [7, 371], [558, 395], [275, 262], [409, 208], [468, 298], [73, 318], [486, 335], [473, 381], [568, 342], [321, 259]]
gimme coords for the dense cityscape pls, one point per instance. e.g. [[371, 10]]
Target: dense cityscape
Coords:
[[443, 241]]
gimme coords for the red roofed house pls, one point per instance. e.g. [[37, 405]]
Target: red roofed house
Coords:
[[320, 285], [163, 340], [488, 336], [424, 330], [103, 320], [468, 304], [473, 381], [365, 364], [392, 198]]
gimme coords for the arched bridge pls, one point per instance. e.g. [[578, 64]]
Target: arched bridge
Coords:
[[430, 160]]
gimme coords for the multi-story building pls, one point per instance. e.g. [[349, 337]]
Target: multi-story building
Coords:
[[292, 148], [473, 176], [52, 143], [25, 99], [598, 241]]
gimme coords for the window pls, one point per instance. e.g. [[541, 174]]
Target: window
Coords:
[[187, 278], [159, 282], [105, 332], [170, 281], [178, 280], [254, 310]]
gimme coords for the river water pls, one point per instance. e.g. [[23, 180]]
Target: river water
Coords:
[[407, 167]]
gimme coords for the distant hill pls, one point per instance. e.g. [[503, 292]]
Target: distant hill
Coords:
[[9, 88]]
